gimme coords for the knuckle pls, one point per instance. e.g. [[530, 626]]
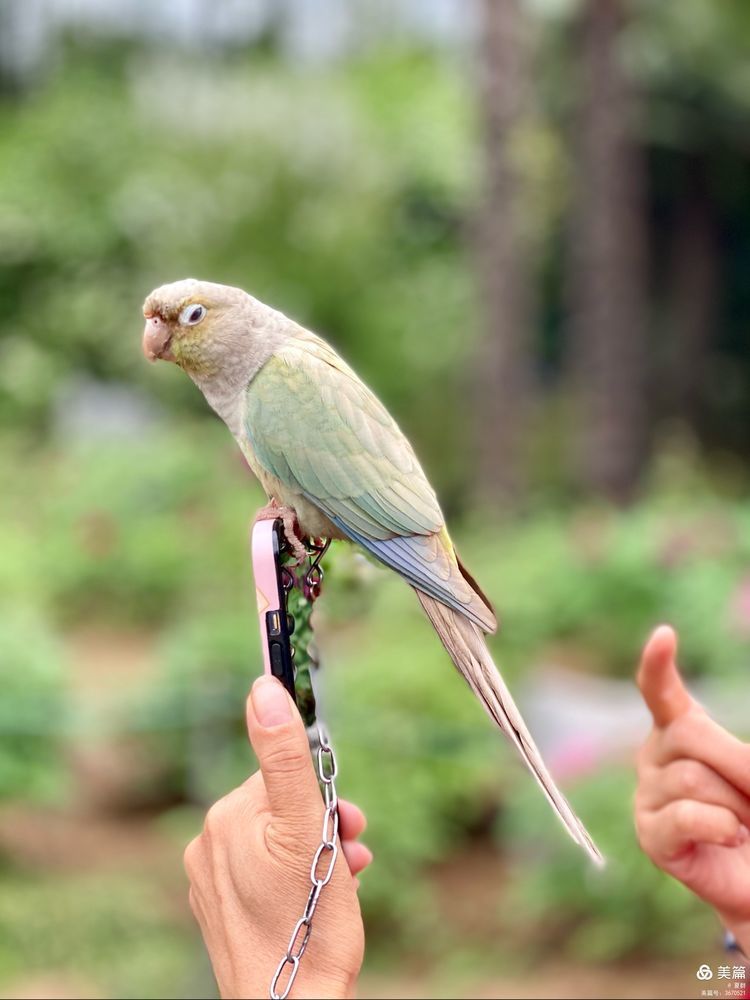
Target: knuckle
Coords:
[[213, 822], [643, 833], [239, 810], [690, 778], [684, 816], [648, 846], [219, 818], [640, 834], [639, 803], [646, 833], [191, 858]]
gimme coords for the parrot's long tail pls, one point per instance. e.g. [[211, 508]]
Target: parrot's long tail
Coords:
[[467, 648]]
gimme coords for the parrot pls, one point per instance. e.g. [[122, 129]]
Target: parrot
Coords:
[[333, 462]]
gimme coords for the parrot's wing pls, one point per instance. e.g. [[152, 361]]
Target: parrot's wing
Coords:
[[314, 425]]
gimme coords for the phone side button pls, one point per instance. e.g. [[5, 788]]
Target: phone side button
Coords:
[[277, 659]]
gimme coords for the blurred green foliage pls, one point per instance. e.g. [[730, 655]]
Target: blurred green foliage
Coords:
[[129, 528], [107, 189], [343, 193], [33, 708], [112, 929], [628, 908], [155, 531]]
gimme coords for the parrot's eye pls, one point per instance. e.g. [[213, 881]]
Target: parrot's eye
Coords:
[[192, 314]]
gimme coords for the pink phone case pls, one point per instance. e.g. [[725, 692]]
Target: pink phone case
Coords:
[[276, 625], [267, 591]]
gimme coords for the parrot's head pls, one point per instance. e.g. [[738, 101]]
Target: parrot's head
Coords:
[[199, 325]]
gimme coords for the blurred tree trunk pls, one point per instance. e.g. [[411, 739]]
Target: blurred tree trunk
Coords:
[[693, 298], [503, 362], [608, 343], [8, 15], [19, 38]]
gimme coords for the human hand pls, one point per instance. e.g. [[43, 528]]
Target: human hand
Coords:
[[692, 804], [249, 869]]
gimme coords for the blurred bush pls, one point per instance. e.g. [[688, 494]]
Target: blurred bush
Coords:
[[117, 930], [627, 909], [154, 532], [415, 749], [194, 710], [351, 184], [33, 709], [345, 191], [131, 528]]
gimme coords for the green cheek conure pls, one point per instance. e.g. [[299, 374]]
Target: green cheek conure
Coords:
[[330, 456]]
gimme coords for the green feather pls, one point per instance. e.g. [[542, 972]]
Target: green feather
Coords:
[[312, 423], [317, 428]]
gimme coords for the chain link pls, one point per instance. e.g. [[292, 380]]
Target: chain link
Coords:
[[319, 879]]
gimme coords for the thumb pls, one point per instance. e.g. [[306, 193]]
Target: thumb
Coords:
[[278, 737], [659, 679]]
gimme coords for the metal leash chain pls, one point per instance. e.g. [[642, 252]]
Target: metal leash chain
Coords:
[[328, 845], [328, 848]]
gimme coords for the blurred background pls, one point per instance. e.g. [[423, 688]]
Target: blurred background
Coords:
[[527, 225]]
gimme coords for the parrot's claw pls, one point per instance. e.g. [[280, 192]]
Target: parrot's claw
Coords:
[[291, 528], [288, 517]]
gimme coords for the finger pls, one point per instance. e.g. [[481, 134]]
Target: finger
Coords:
[[691, 779], [696, 735], [670, 832], [352, 821], [195, 904], [194, 860], [358, 857], [280, 743], [659, 679]]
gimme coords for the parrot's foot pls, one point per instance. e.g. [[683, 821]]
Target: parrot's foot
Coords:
[[291, 532], [288, 517]]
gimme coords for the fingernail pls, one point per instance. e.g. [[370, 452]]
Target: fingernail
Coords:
[[270, 702], [742, 835]]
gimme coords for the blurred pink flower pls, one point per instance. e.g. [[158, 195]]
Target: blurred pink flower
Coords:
[[576, 757]]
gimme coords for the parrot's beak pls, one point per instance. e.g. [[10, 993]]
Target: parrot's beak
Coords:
[[156, 339]]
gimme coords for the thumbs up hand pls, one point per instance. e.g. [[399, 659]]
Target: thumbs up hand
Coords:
[[692, 804]]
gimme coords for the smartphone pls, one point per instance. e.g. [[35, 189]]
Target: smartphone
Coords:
[[276, 625]]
